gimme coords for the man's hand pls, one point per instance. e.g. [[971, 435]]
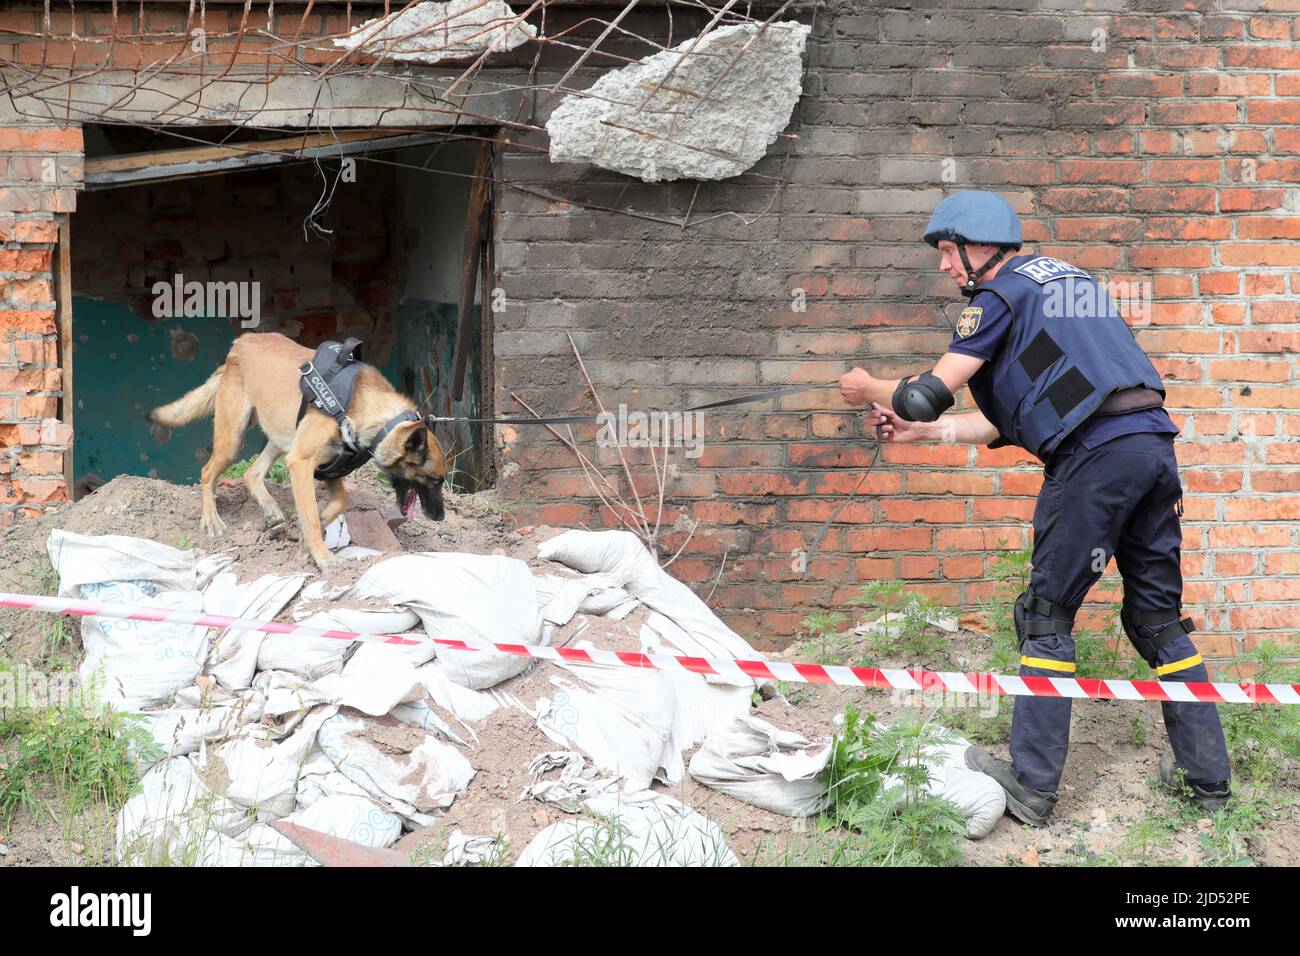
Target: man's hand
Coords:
[[893, 428], [856, 386]]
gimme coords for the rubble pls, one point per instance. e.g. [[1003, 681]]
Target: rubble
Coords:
[[275, 749], [433, 32], [706, 109]]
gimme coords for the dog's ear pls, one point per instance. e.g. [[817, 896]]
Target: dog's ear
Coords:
[[417, 443], [401, 441]]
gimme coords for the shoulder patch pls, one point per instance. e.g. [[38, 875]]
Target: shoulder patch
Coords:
[[969, 321], [1043, 269]]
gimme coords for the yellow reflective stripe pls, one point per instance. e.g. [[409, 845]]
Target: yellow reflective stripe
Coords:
[[1066, 667], [1182, 665]]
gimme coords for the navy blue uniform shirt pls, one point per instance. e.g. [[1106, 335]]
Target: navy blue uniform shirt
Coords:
[[988, 337]]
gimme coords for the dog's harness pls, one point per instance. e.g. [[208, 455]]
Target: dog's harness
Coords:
[[327, 382]]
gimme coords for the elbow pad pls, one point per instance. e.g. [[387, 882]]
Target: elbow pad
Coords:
[[922, 400]]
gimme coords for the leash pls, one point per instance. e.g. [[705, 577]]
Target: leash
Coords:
[[592, 419], [724, 403]]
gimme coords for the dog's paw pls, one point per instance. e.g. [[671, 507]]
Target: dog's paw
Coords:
[[212, 525], [328, 562], [273, 513]]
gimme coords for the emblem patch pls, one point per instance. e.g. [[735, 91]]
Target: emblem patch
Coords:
[[969, 321]]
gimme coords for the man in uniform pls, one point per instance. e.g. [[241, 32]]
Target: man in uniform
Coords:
[[1054, 369]]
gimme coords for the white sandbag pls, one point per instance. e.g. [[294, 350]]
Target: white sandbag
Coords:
[[254, 770], [467, 705], [575, 784], [412, 783], [358, 819], [199, 714], [979, 797], [420, 714], [259, 845], [374, 681], [97, 559], [561, 598], [466, 850], [635, 829], [446, 707], [313, 657], [232, 659], [760, 764], [620, 555], [209, 566], [319, 778], [173, 818], [470, 597], [141, 663], [702, 703], [621, 718]]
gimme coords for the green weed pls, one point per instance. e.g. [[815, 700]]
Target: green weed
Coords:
[[1263, 739], [905, 826], [824, 628], [278, 473], [907, 634], [88, 757]]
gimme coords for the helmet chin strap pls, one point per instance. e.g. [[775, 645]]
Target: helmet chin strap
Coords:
[[974, 275]]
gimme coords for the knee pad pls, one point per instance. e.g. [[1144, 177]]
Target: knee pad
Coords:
[[1060, 617], [1059, 623], [1167, 628]]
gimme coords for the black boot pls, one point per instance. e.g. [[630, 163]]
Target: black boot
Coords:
[[1209, 797], [1025, 803]]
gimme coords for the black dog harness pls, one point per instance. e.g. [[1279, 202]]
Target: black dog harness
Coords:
[[327, 383]]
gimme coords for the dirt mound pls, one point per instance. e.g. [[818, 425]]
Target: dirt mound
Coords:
[[169, 514]]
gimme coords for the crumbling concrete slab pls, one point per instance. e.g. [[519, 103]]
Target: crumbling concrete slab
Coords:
[[433, 32], [706, 109]]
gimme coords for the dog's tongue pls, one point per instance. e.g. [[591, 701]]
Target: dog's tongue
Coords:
[[408, 506]]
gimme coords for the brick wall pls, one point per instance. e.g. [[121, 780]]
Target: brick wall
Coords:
[[1160, 147], [246, 227], [1149, 147], [39, 170]]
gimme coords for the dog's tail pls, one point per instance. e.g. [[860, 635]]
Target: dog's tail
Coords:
[[196, 404]]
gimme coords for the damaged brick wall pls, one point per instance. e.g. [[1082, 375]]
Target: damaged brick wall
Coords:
[[1160, 147], [40, 168], [246, 227]]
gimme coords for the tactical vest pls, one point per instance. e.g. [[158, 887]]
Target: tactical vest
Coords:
[[1058, 363], [327, 383]]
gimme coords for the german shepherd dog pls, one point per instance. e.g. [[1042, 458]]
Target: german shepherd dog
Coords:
[[259, 384]]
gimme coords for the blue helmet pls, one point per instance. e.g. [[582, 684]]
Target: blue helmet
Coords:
[[975, 217]]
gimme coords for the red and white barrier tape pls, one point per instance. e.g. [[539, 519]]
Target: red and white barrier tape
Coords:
[[916, 679]]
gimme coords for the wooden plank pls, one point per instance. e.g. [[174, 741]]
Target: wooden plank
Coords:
[[487, 341], [469, 268], [204, 154], [63, 285]]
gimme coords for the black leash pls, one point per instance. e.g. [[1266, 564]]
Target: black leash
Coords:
[[591, 419], [742, 400]]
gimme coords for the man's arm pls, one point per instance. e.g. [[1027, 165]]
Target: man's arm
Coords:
[[860, 387], [969, 427]]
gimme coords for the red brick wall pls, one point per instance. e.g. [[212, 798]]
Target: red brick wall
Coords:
[[1171, 156], [248, 227], [39, 170], [1156, 146]]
